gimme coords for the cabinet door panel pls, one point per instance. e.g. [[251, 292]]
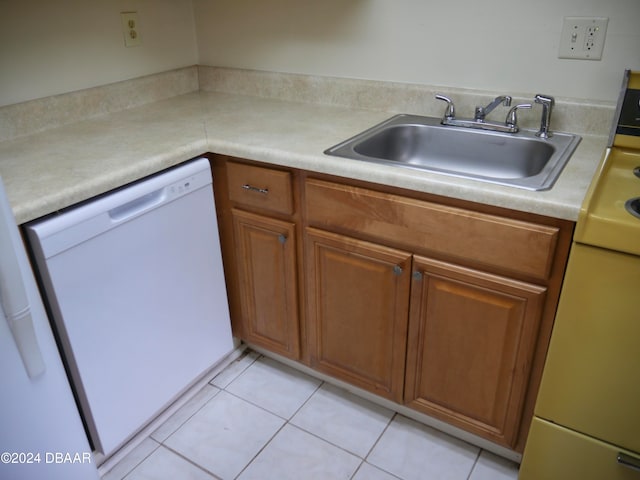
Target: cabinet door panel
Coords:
[[472, 337], [266, 253], [359, 296]]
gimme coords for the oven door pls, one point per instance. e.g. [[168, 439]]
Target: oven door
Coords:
[[590, 381]]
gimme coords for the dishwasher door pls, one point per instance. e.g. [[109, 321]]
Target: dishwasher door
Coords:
[[135, 286]]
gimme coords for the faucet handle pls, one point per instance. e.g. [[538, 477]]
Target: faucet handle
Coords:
[[512, 119], [450, 112]]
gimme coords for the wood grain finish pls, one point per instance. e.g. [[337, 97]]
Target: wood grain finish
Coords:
[[471, 342], [259, 187], [267, 273], [504, 244], [358, 310], [473, 331]]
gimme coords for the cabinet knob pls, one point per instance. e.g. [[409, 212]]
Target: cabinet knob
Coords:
[[397, 269], [416, 275], [282, 238]]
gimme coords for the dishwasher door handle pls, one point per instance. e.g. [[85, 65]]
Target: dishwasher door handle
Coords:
[[138, 205]]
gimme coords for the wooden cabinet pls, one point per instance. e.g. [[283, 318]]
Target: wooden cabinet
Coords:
[[442, 305], [478, 309], [471, 340], [266, 260], [261, 255], [358, 307]]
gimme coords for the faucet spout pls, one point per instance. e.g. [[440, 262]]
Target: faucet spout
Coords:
[[547, 103], [482, 112]]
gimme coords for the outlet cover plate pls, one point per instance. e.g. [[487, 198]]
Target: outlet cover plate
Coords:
[[131, 29], [583, 37]]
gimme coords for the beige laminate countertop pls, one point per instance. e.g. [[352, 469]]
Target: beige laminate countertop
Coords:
[[54, 169]]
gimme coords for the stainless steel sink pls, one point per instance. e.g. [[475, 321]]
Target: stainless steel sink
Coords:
[[516, 159]]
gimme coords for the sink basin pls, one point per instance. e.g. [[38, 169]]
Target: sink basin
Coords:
[[410, 141]]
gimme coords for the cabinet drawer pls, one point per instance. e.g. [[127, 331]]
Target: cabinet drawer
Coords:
[[487, 240], [260, 187], [554, 452]]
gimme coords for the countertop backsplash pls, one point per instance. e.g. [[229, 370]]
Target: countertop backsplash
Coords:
[[56, 111], [569, 115]]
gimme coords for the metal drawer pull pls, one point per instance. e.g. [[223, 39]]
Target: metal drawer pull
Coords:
[[246, 186], [629, 461]]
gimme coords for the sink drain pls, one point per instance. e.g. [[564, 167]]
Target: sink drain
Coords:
[[636, 172], [633, 206]]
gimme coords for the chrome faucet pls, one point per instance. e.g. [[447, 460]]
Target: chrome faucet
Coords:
[[547, 103], [482, 112], [450, 112], [512, 118], [509, 126]]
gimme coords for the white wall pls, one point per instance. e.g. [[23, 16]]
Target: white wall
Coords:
[[49, 47], [508, 46]]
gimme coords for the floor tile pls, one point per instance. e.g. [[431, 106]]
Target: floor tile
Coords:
[[184, 413], [132, 460], [224, 435], [369, 472], [343, 419], [234, 369], [164, 464], [275, 387], [492, 467], [414, 451], [294, 454]]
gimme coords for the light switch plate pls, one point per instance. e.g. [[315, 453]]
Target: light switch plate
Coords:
[[583, 37]]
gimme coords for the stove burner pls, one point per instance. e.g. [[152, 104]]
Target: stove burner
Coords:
[[636, 172], [633, 206]]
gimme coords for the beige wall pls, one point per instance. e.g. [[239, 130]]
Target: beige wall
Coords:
[[508, 46], [57, 46], [49, 47]]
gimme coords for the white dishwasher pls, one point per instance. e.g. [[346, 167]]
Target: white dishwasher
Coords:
[[135, 287]]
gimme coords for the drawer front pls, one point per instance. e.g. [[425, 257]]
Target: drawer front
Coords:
[[430, 228], [554, 452], [259, 187]]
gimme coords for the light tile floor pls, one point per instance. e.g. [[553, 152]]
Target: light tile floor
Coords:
[[261, 420]]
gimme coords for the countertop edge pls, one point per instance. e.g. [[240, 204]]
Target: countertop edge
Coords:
[[77, 162]]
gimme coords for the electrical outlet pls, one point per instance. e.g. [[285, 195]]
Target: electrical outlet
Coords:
[[583, 37], [131, 29]]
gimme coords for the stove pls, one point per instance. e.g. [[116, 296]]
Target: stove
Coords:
[[610, 216], [587, 419]]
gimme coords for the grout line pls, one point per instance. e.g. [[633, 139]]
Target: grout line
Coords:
[[213, 475], [384, 430], [474, 464], [263, 447]]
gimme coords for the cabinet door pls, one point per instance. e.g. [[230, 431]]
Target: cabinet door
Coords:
[[266, 257], [358, 311], [471, 341]]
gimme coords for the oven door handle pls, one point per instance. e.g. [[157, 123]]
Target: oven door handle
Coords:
[[628, 461]]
